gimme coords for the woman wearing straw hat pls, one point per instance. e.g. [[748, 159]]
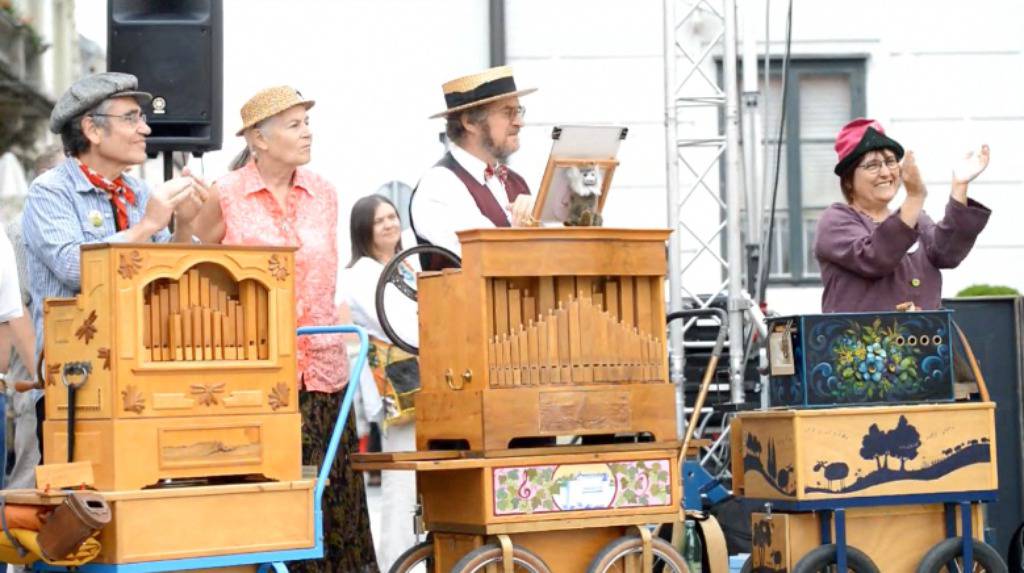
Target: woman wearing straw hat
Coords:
[[471, 187], [271, 199], [866, 249]]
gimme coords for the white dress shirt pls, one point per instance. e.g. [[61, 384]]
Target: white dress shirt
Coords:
[[358, 288], [442, 205]]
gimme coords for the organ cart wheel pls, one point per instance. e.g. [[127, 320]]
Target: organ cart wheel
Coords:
[[616, 555], [748, 566], [823, 559], [481, 558], [946, 557], [420, 554], [391, 275]]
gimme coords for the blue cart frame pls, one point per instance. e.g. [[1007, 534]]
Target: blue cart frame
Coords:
[[267, 560], [829, 509]]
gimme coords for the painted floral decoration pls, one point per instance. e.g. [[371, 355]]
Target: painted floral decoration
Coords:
[[872, 362]]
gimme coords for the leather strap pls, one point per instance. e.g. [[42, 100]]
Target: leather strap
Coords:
[[647, 556], [507, 551]]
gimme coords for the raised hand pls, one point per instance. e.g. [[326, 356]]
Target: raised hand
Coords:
[[972, 164], [522, 211], [190, 206], [912, 176], [164, 199]]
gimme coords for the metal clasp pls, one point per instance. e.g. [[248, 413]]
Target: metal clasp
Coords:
[[82, 369]]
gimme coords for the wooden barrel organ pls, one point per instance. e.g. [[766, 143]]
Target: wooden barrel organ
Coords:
[[545, 333], [187, 354]]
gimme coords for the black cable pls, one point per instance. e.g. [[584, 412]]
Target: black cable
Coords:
[[766, 257]]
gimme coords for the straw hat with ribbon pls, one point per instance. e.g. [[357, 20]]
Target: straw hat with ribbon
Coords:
[[479, 89], [270, 102]]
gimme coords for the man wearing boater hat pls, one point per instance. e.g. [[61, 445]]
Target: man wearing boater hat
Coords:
[[471, 187], [88, 198]]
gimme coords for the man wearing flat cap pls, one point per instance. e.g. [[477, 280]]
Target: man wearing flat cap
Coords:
[[88, 198], [471, 187]]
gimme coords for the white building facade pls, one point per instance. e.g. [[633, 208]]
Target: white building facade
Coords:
[[942, 77]]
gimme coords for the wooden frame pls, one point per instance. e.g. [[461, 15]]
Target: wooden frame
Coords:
[[607, 167]]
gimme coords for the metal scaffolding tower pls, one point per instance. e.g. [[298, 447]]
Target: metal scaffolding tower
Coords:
[[696, 33], [693, 165]]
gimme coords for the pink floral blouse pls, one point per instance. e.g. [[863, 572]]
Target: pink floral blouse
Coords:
[[309, 221]]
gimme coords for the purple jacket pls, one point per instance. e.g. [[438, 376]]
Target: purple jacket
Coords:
[[868, 266]]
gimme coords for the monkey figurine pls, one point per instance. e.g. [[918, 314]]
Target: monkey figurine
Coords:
[[585, 190]]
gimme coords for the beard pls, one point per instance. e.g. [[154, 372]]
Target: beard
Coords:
[[501, 153]]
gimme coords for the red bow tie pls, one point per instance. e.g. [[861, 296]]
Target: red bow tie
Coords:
[[501, 171], [117, 190]]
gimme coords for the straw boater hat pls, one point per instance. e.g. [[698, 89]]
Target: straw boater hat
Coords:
[[270, 102], [478, 89]]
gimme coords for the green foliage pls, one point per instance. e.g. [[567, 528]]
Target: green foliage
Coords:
[[987, 290]]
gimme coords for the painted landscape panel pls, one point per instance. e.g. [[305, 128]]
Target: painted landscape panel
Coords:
[[868, 452]]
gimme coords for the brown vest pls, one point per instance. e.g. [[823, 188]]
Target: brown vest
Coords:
[[515, 186]]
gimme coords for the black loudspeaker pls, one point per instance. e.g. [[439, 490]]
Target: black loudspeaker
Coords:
[[176, 49], [993, 327]]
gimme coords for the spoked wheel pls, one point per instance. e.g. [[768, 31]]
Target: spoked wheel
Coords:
[[417, 559], [947, 557], [823, 560], [626, 553], [391, 275], [479, 559]]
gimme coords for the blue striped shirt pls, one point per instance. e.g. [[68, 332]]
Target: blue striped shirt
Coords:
[[62, 212]]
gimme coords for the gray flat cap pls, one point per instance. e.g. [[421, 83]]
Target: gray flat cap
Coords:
[[89, 91]]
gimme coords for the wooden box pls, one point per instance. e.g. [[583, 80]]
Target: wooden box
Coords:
[[547, 489], [896, 538], [191, 351], [152, 525], [129, 454], [826, 360], [545, 332], [802, 455]]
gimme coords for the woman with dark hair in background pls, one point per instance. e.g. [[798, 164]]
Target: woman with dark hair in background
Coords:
[[272, 199], [376, 233]]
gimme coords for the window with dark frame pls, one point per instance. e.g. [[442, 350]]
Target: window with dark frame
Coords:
[[824, 94]]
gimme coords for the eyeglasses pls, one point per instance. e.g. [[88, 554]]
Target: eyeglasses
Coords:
[[131, 118], [875, 166], [513, 112]]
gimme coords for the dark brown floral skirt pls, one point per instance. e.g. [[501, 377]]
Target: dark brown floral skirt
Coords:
[[348, 544]]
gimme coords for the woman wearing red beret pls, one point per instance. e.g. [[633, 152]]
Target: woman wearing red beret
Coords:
[[867, 250]]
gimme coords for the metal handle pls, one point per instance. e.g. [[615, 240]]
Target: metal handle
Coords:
[[82, 369], [466, 378]]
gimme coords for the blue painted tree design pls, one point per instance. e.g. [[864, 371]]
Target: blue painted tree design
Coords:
[[901, 442], [873, 446]]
